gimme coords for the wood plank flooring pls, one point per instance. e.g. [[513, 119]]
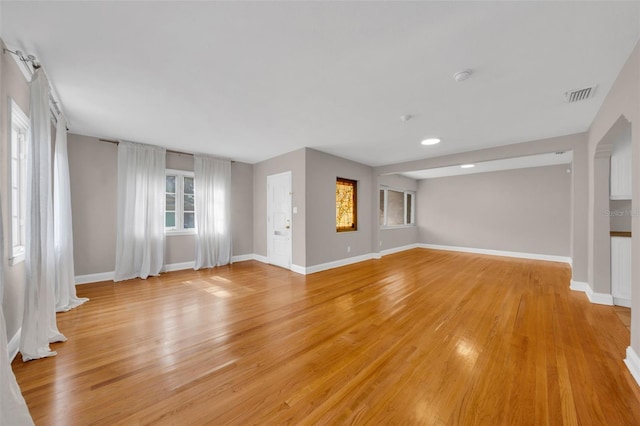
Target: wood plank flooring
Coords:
[[418, 337]]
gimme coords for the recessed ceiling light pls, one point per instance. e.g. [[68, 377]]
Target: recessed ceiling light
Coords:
[[430, 141], [467, 166]]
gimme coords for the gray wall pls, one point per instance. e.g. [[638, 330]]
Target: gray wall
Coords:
[[525, 210], [13, 85], [324, 244], [620, 212], [399, 237], [294, 162], [579, 189], [93, 170], [242, 208]]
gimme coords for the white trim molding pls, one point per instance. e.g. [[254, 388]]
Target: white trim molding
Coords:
[[516, 254], [14, 345], [94, 278], [242, 258], [398, 249], [633, 363], [337, 263], [298, 269], [597, 298], [179, 266], [579, 286], [620, 301], [260, 258]]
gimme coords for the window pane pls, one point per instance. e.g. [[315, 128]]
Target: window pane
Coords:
[[346, 203], [15, 173], [171, 184], [188, 185], [15, 230], [395, 208], [170, 219], [171, 203], [189, 221], [409, 201], [188, 203]]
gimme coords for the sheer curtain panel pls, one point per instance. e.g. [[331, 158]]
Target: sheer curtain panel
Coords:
[[65, 290], [141, 192], [213, 211], [13, 410], [39, 320]]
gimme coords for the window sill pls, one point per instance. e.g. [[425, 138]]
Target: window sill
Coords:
[[14, 260], [413, 225], [183, 232]]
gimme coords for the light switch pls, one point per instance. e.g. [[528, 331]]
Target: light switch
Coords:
[[295, 210]]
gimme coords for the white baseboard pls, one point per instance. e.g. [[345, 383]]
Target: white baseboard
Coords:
[[178, 266], [516, 254], [633, 363], [619, 301], [260, 258], [338, 263], [94, 278], [242, 258], [298, 269], [599, 298], [398, 249], [579, 286], [14, 345]]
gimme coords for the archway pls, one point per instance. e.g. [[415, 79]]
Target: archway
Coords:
[[600, 247]]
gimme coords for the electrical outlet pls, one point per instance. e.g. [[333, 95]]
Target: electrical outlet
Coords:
[[348, 249], [380, 243]]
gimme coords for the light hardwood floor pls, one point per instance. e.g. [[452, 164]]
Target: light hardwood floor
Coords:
[[418, 337]]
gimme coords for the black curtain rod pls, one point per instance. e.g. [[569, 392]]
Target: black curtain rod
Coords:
[[168, 150]]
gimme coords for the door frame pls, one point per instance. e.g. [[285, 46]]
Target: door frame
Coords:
[[269, 234]]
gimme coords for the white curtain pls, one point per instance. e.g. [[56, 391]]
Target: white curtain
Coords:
[[141, 198], [39, 320], [65, 290], [13, 409], [213, 211]]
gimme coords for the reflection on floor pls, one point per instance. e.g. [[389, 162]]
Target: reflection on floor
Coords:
[[625, 315]]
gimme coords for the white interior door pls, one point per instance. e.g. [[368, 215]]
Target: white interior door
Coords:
[[279, 219]]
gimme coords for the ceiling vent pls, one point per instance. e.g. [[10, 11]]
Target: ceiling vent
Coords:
[[578, 95]]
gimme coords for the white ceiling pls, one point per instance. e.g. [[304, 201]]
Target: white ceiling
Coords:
[[539, 160], [251, 80]]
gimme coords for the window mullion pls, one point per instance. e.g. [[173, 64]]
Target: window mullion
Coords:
[[179, 200]]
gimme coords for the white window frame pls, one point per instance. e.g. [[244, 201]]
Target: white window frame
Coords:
[[18, 121], [404, 213], [179, 228]]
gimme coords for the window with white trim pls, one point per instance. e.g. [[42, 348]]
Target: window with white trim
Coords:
[[397, 207], [18, 168], [179, 213]]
